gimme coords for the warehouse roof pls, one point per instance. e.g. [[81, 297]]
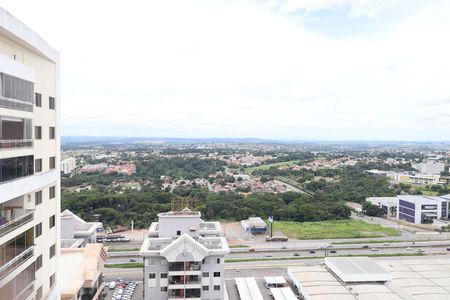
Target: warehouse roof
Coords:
[[356, 269]]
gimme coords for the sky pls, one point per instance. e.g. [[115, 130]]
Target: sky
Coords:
[[292, 69]]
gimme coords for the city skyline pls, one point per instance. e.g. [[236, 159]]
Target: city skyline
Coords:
[[283, 70]]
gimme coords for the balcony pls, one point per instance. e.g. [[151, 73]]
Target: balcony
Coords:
[[27, 291], [185, 266], [184, 280], [15, 132], [10, 144], [184, 294], [20, 218], [16, 93], [16, 167], [16, 262]]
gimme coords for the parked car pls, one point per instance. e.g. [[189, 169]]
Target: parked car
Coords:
[[112, 285]]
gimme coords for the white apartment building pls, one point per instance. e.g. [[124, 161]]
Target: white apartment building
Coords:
[[431, 166], [68, 165], [184, 258], [29, 163]]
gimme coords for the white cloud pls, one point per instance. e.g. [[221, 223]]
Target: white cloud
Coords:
[[209, 68]]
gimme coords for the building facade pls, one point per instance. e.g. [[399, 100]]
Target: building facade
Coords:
[[184, 258], [415, 208], [68, 165], [29, 163]]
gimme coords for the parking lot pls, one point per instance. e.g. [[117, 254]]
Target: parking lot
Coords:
[[138, 293]]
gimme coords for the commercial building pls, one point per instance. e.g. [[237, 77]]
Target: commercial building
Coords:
[[82, 272], [29, 163], [389, 205], [68, 165], [184, 258], [76, 232], [361, 278], [414, 208], [422, 209], [254, 225]]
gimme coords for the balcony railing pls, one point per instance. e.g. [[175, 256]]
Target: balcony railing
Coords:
[[9, 144], [15, 104], [27, 291], [16, 262], [11, 225]]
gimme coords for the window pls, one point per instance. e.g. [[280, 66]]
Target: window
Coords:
[[152, 276], [39, 293], [38, 197], [52, 280], [205, 274], [51, 192], [51, 133], [52, 250], [218, 260], [51, 102], [38, 230], [164, 289], [163, 275], [16, 167], [38, 165], [216, 274], [38, 99], [217, 287], [178, 232], [38, 132], [205, 287], [52, 162], [51, 221], [38, 262]]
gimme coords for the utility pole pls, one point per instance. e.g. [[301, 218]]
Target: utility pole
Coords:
[[132, 226]]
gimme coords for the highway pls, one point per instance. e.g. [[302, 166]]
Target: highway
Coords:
[[434, 247]]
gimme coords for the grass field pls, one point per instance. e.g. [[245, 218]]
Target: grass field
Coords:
[[125, 265], [238, 246], [333, 229], [267, 167], [123, 249]]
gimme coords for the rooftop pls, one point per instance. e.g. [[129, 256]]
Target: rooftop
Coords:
[[80, 267], [414, 279]]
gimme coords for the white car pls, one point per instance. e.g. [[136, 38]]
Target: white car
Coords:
[[269, 255], [386, 244], [409, 249], [374, 249], [112, 285]]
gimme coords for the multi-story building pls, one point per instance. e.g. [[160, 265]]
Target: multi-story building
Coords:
[[431, 166], [414, 208], [68, 164], [76, 232], [184, 258], [29, 163]]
